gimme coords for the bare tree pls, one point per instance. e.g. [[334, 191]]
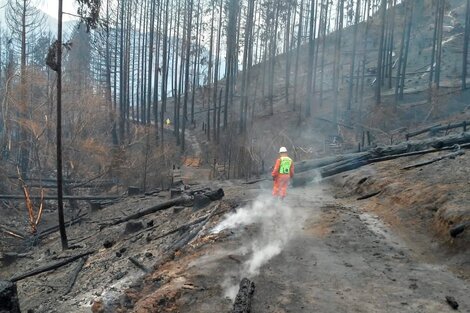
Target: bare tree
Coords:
[[23, 19], [353, 54], [311, 52], [378, 81], [187, 70], [465, 46]]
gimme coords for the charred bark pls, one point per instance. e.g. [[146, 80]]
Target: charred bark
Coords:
[[242, 302], [9, 297], [49, 267], [313, 170], [184, 199]]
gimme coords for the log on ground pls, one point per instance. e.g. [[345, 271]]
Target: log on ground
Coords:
[[159, 207], [184, 199], [75, 274], [452, 155], [242, 302], [383, 153], [457, 230], [306, 165], [9, 297], [49, 267], [46, 232]]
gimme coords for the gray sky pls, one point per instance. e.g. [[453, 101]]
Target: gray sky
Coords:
[[51, 6]]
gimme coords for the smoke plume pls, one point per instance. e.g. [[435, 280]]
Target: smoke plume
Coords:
[[277, 223]]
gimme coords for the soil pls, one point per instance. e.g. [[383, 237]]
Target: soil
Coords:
[[339, 258], [319, 250]]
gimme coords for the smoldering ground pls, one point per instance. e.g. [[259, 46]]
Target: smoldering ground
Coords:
[[277, 223]]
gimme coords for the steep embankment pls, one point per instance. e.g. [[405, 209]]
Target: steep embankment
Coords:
[[420, 204]]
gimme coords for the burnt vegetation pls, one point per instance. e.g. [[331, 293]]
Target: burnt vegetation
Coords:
[[138, 99]]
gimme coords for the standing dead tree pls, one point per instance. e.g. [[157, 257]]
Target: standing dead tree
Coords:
[[465, 46]]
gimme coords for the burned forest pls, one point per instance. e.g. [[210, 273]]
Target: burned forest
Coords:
[[263, 156]]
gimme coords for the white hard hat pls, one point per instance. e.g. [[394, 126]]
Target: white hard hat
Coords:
[[283, 149]]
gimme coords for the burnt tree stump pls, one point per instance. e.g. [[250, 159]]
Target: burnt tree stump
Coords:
[[242, 302], [8, 297]]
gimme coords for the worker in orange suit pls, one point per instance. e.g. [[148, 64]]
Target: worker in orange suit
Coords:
[[283, 171]]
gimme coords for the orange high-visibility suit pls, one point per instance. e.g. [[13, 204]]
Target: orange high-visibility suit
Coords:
[[283, 171]]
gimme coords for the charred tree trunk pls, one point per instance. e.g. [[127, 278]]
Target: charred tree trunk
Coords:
[[353, 56], [407, 48], [165, 61], [465, 46], [378, 81], [314, 170], [311, 54], [60, 207], [337, 62], [246, 67], [242, 302], [9, 297], [297, 58], [186, 79], [440, 31]]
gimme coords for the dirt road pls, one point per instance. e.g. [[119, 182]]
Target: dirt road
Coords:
[[334, 259], [310, 253], [355, 264]]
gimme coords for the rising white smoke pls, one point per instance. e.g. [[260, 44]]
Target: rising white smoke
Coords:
[[277, 222]]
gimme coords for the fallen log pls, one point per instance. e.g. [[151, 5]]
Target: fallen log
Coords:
[[457, 230], [369, 195], [452, 302], [442, 157], [187, 226], [49, 267], [242, 302], [191, 235], [306, 165], [159, 207], [184, 227], [305, 178], [344, 166], [463, 124], [9, 297], [396, 156], [185, 239], [46, 232], [184, 199], [75, 274], [420, 131], [383, 153], [419, 145], [139, 265], [215, 194]]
